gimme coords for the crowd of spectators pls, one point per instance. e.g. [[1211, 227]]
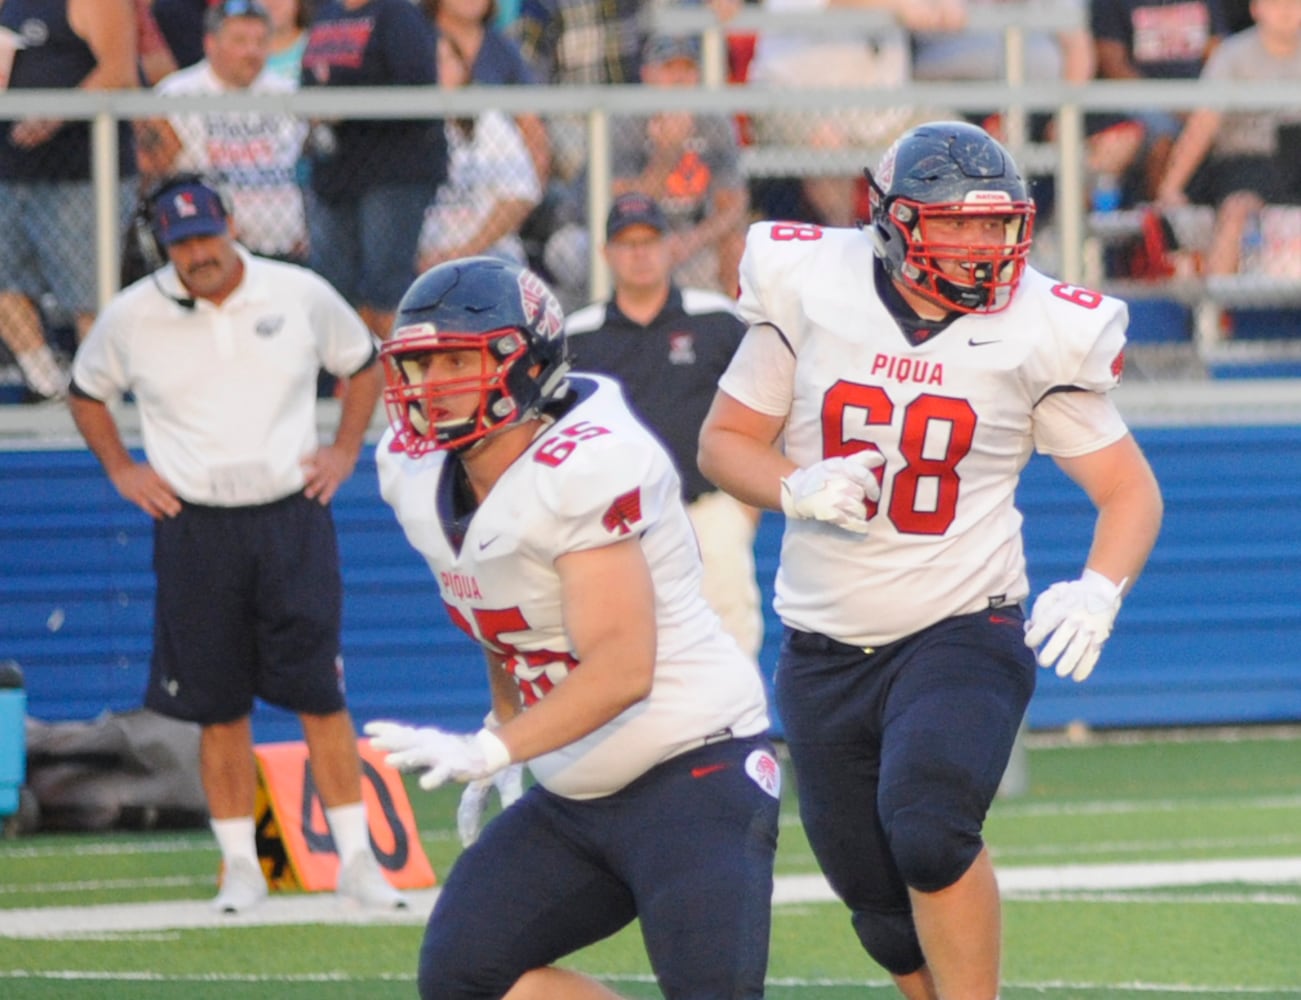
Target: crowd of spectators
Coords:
[[369, 203]]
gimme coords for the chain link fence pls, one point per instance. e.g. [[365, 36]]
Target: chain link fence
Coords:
[[531, 172]]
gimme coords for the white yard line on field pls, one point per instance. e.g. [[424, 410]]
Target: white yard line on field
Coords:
[[317, 908]]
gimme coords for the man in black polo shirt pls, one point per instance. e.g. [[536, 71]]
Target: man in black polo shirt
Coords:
[[668, 346]]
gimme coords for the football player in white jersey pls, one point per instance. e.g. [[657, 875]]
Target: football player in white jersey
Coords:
[[891, 387], [553, 522]]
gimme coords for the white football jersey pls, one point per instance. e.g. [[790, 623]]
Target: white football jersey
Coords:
[[954, 417], [593, 477]]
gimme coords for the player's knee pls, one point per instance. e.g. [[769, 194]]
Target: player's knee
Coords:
[[437, 979], [447, 972], [891, 939], [932, 851]]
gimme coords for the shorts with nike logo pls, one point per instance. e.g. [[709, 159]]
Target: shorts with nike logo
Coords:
[[687, 848]]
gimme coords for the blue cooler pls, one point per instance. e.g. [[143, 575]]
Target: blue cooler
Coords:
[[13, 736]]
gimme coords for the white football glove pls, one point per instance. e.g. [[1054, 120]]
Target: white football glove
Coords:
[[442, 755], [509, 783], [1077, 615], [834, 491]]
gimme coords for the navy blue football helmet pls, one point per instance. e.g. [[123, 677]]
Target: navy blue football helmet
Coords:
[[502, 310], [940, 172]]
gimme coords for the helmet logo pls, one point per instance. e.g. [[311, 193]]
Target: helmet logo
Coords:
[[541, 307], [885, 172]]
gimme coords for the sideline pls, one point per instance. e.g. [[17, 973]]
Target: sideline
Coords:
[[323, 908]]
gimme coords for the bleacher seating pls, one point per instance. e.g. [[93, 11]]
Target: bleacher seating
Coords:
[[1211, 634]]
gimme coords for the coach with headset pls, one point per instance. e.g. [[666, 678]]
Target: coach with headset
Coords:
[[221, 350]]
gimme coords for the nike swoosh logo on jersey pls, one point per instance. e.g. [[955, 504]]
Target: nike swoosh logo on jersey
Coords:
[[972, 342], [707, 769], [487, 541]]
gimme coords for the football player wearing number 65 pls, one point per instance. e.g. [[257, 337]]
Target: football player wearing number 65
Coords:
[[908, 369], [554, 524]]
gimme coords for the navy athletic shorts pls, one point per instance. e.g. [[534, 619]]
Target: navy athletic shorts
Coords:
[[923, 726], [249, 603], [688, 848]]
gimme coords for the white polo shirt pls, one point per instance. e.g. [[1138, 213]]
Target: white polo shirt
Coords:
[[226, 394]]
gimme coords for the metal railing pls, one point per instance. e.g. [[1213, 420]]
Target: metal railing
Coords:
[[1065, 157]]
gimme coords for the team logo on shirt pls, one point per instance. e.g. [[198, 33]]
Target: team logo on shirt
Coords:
[[269, 326], [623, 513], [764, 771], [682, 348]]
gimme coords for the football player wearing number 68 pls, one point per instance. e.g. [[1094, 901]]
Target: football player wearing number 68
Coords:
[[554, 524], [908, 369]]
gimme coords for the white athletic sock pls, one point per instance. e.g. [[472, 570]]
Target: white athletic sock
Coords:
[[350, 830], [236, 838]]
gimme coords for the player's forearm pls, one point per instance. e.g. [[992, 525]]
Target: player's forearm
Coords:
[[602, 686], [746, 468]]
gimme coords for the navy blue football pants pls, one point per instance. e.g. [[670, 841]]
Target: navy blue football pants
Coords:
[[897, 757], [688, 848]]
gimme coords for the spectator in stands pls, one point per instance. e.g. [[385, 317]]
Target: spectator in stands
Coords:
[[879, 60], [495, 60], [221, 351], [981, 55], [491, 183], [1158, 40], [578, 42], [46, 198], [371, 179], [668, 345], [181, 22], [1233, 160], [289, 21], [252, 155], [1238, 15], [581, 42], [156, 59], [689, 163]]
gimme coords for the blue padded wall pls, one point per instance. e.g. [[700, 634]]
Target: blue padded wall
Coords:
[[1212, 631], [1211, 634]]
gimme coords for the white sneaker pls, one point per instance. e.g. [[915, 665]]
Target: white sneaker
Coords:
[[243, 886], [362, 882]]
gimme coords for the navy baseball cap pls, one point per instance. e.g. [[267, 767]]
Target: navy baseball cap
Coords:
[[184, 211], [634, 209]]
